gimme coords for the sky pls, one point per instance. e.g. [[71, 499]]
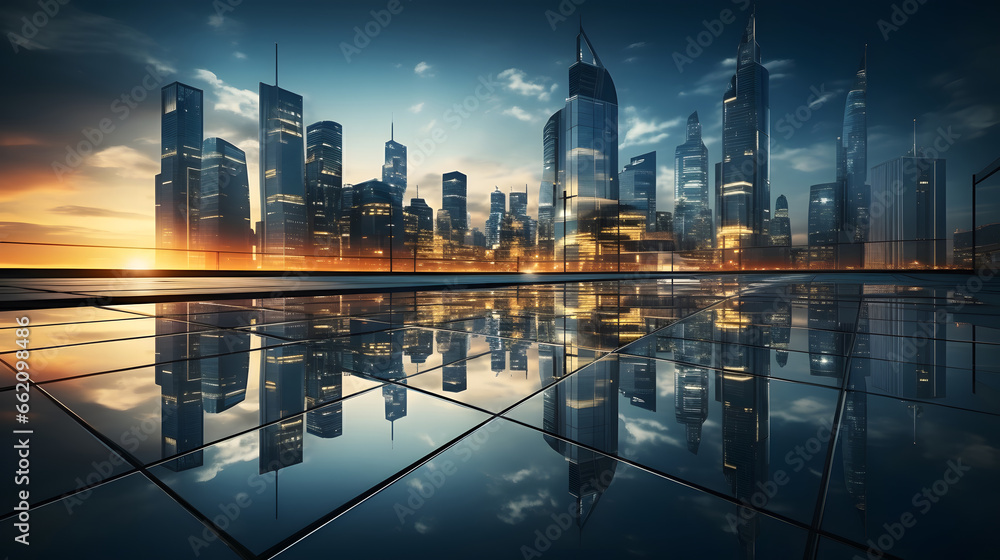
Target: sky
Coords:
[[469, 86]]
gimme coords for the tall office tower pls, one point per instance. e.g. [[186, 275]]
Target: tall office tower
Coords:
[[422, 236], [524, 226], [826, 213], [178, 373], [588, 162], [324, 185], [394, 169], [519, 204], [743, 202], [691, 190], [637, 187], [551, 186], [224, 208], [498, 207], [346, 207], [282, 172], [177, 185], [664, 221], [454, 199], [910, 231], [376, 221], [852, 159], [781, 225]]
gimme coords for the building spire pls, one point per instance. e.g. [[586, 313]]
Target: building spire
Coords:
[[392, 127], [914, 137], [276, 65]]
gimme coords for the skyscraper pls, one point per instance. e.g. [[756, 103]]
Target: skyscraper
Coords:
[[224, 206], [909, 230], [178, 183], [691, 190], [551, 186], [826, 213], [588, 162], [637, 187], [282, 172], [422, 236], [852, 160], [394, 169], [498, 207], [454, 199], [519, 204], [781, 225], [743, 202], [376, 221], [324, 184]]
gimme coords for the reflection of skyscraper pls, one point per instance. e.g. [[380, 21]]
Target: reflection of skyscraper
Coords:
[[224, 377], [638, 382], [282, 172], [691, 382], [498, 354], [182, 421], [394, 169], [454, 348], [831, 317], [324, 183], [637, 187], [324, 384], [395, 404], [743, 202], [454, 199], [584, 409], [282, 398], [588, 161], [224, 208], [691, 190], [177, 185]]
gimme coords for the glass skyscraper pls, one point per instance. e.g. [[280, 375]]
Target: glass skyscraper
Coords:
[[692, 217], [638, 187], [324, 184], [376, 221], [909, 229], [394, 169], [852, 159], [282, 172], [781, 225], [743, 202], [498, 207], [178, 183], [454, 199], [588, 162], [551, 187], [224, 215]]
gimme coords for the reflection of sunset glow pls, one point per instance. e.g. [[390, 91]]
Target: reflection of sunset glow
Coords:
[[138, 263]]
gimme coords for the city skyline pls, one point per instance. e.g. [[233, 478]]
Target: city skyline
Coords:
[[646, 125]]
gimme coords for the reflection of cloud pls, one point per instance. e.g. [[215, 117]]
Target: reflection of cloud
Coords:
[[124, 392], [421, 527], [239, 450], [514, 511], [641, 430], [522, 474]]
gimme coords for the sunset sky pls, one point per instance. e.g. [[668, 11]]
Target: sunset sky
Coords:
[[70, 75]]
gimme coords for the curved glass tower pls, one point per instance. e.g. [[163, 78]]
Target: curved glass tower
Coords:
[[744, 192], [691, 189], [550, 189], [853, 157]]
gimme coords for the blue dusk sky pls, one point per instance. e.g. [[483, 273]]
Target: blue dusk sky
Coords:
[[469, 85]]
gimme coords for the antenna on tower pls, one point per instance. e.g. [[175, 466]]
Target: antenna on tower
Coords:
[[276, 65], [392, 127], [914, 137]]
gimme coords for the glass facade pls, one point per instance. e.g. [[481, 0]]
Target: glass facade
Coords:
[[324, 185], [282, 172], [178, 183], [454, 199], [394, 169], [692, 229], [550, 189], [853, 159], [637, 187], [224, 217], [781, 225], [743, 202], [376, 221]]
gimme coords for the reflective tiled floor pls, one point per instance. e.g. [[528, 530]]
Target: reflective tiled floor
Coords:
[[833, 416]]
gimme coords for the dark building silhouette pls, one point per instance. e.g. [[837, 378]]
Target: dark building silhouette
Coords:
[[454, 199], [178, 183], [282, 172], [224, 208], [182, 419], [376, 221]]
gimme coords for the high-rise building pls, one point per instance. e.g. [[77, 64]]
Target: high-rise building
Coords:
[[909, 228], [637, 187], [178, 183], [691, 190], [454, 199], [826, 212], [422, 236], [282, 172], [324, 185], [664, 221], [224, 205], [588, 162], [852, 159], [376, 221], [394, 169], [551, 186], [498, 207], [743, 202], [781, 225]]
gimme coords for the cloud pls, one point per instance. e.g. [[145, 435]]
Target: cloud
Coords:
[[519, 114], [417, 108], [640, 131], [240, 55], [516, 81], [817, 157], [91, 212], [127, 162], [638, 45], [631, 59], [423, 70], [243, 102]]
